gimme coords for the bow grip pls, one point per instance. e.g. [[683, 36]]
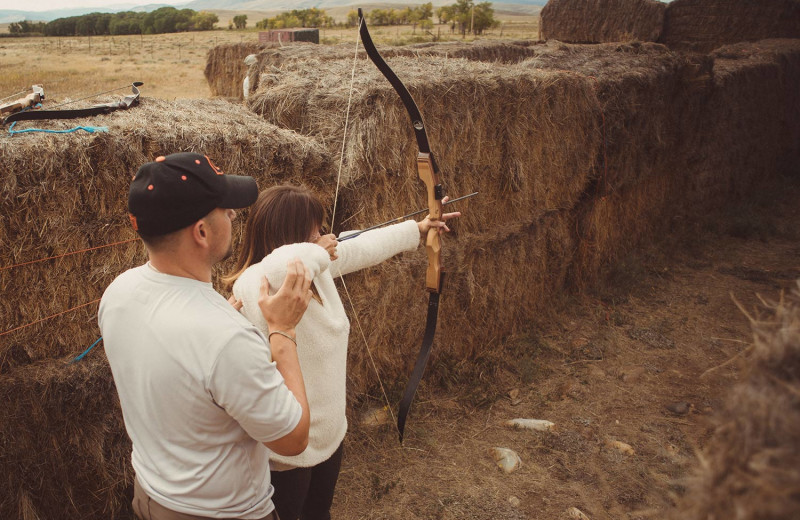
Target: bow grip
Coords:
[[433, 247], [433, 242]]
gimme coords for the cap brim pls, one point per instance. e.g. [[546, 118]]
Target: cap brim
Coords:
[[242, 192]]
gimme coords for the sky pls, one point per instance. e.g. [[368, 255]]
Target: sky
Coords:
[[49, 5]]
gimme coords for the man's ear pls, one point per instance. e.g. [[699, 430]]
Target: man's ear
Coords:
[[200, 232]]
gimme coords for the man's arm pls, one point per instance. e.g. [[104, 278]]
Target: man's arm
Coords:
[[282, 312]]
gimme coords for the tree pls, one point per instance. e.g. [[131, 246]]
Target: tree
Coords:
[[26, 27], [483, 18], [203, 21], [471, 17], [298, 18], [352, 18], [425, 11], [445, 14], [240, 21]]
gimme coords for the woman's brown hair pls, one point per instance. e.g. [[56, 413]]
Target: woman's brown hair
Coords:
[[281, 215]]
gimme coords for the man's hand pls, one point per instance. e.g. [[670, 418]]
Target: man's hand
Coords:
[[284, 310], [329, 243], [425, 224]]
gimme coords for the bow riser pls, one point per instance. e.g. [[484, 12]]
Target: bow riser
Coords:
[[37, 96], [433, 243]]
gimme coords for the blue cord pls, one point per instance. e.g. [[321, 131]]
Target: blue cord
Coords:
[[83, 354], [90, 129]]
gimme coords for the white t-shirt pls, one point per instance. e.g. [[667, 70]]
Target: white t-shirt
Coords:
[[199, 394]]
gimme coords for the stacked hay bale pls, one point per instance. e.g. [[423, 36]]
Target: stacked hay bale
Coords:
[[272, 59], [644, 90], [684, 134], [597, 21], [225, 68], [746, 128], [704, 25], [65, 452], [750, 469]]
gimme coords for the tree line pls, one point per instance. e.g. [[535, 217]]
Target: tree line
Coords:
[[162, 20], [298, 18], [464, 16]]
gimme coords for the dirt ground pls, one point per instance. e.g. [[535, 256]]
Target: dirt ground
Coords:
[[645, 360]]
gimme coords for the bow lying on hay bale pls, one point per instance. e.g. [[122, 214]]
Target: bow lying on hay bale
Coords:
[[750, 469]]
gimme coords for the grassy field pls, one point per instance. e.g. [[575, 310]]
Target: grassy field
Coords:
[[170, 65]]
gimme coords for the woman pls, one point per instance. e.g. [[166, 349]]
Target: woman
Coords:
[[284, 223]]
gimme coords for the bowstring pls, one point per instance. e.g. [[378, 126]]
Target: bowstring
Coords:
[[333, 219]]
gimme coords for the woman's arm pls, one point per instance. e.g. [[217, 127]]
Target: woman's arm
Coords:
[[274, 268], [373, 247]]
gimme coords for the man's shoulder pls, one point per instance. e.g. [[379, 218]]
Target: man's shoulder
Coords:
[[124, 281]]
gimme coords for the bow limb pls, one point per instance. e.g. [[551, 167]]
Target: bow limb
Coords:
[[428, 173], [105, 108]]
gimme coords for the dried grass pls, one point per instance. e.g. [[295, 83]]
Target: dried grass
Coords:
[[65, 452], [704, 25], [750, 469], [597, 21]]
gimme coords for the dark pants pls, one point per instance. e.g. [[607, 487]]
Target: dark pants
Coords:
[[306, 493], [146, 508]]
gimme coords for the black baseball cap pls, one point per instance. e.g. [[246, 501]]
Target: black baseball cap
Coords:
[[177, 190]]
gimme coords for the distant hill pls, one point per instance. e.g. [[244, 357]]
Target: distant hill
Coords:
[[522, 7], [8, 15]]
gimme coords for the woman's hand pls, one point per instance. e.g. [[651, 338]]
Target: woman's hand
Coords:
[[426, 224], [329, 243], [236, 304]]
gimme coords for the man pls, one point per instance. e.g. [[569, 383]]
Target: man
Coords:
[[202, 390]]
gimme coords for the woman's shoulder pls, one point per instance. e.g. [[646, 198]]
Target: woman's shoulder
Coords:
[[273, 266]]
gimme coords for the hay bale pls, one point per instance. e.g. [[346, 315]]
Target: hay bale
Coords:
[[225, 68], [526, 138], [746, 129], [496, 280], [65, 452], [683, 135], [703, 25], [597, 21], [64, 193], [641, 89], [272, 60], [750, 469]]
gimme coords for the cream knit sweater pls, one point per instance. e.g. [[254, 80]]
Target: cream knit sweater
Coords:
[[323, 332]]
